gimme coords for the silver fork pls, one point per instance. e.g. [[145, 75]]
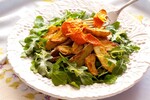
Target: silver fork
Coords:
[[113, 15]]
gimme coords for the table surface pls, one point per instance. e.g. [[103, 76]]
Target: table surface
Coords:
[[12, 88]]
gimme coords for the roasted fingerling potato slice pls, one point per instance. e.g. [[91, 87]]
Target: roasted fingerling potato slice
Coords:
[[76, 48], [64, 49], [58, 37], [97, 31], [109, 45], [52, 30], [54, 39], [90, 63], [80, 57], [103, 56], [50, 45]]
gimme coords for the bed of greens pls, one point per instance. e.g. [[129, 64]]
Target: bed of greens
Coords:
[[68, 51]]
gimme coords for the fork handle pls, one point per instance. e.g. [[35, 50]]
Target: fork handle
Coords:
[[127, 4]]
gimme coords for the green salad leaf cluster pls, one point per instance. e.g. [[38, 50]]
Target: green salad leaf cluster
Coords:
[[121, 53], [64, 72]]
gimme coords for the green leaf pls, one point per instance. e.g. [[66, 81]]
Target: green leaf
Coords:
[[39, 22], [75, 15], [73, 78], [110, 79], [117, 52], [42, 68], [130, 48], [120, 37], [120, 67], [57, 21], [59, 78], [113, 27], [41, 63], [86, 79], [34, 67], [40, 31], [55, 67], [101, 72], [74, 84], [34, 42], [72, 66], [116, 25]]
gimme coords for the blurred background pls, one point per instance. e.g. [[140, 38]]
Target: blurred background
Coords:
[[141, 7]]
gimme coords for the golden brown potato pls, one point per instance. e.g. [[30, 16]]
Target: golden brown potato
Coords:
[[50, 45], [54, 37], [90, 63], [68, 42], [80, 57], [103, 56], [58, 37], [108, 44], [76, 48], [49, 35], [97, 32], [65, 50], [51, 31]]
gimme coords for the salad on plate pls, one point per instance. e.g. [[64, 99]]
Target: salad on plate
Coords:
[[78, 49]]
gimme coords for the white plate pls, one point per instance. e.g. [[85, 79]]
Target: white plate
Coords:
[[136, 68]]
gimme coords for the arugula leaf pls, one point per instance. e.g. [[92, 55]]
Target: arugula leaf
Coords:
[[31, 44], [39, 27], [41, 63], [116, 25], [74, 84], [86, 78], [59, 78], [34, 43], [117, 53], [72, 67], [39, 22], [113, 27], [101, 72], [121, 53], [110, 79], [80, 15], [40, 31], [42, 68], [120, 67], [57, 21], [130, 48], [34, 67], [74, 15], [120, 37], [73, 80]]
